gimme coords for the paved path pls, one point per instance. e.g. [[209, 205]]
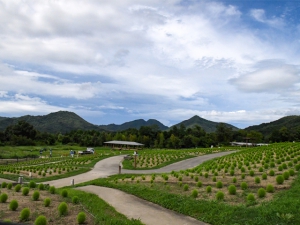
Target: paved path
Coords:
[[134, 207]]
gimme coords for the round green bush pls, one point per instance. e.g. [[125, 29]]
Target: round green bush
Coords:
[[219, 184], [18, 187], [9, 186], [286, 175], [194, 193], [231, 172], [280, 168], [251, 173], [284, 166], [279, 179], [220, 195], [234, 180], [243, 176], [292, 172], [47, 202], [264, 176], [75, 200], [270, 188], [32, 184], [257, 180], [196, 179], [4, 184], [208, 189], [24, 215], [52, 190], [244, 185], [214, 179], [63, 209], [25, 191], [64, 193], [36, 195], [185, 187], [271, 173], [3, 197], [41, 220], [81, 217], [250, 197], [41, 186], [261, 192], [199, 184], [13, 205], [232, 189], [180, 178]]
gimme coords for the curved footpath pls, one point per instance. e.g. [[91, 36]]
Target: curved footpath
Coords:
[[130, 205]]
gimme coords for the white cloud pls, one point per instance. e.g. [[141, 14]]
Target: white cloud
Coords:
[[260, 16]]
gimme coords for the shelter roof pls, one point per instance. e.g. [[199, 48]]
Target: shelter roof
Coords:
[[123, 143]]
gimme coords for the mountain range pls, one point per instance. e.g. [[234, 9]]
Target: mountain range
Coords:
[[64, 121]]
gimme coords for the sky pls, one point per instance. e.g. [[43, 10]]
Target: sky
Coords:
[[116, 61]]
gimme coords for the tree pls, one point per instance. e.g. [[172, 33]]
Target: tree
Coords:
[[223, 133]]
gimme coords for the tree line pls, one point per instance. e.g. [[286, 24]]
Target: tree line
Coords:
[[24, 134]]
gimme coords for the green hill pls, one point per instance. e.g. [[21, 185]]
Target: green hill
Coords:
[[207, 125], [290, 122]]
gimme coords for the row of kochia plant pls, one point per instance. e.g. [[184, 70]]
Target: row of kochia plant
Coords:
[[248, 175], [25, 213], [153, 158]]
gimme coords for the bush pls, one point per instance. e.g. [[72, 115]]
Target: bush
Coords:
[[9, 186], [32, 184], [24, 215], [3, 197], [185, 187], [13, 205], [244, 185], [41, 220], [220, 195], [4, 184], [214, 179], [264, 176], [35, 195], [18, 187], [25, 191], [270, 188], [208, 189], [243, 176], [194, 193], [64, 193], [286, 175], [63, 209], [279, 179], [251, 173], [219, 184], [75, 200], [250, 197], [292, 172], [232, 189], [52, 190], [81, 218], [47, 202], [261, 193], [257, 180], [234, 180], [180, 178], [271, 173], [41, 187], [199, 184]]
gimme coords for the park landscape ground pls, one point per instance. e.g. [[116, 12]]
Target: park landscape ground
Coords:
[[239, 188]]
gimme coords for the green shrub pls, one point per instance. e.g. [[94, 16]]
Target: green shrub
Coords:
[[47, 202], [18, 187], [9, 186], [270, 188], [231, 172], [208, 189], [264, 176], [4, 184], [199, 184], [261, 193], [271, 173], [63, 209], [13, 205], [35, 195], [25, 191], [244, 185], [41, 220], [243, 176], [52, 190], [250, 197], [180, 178], [64, 193], [279, 179], [219, 184], [297, 167], [220, 195], [232, 189], [194, 193], [25, 214], [292, 172], [185, 187], [284, 166], [251, 173], [32, 184], [75, 200], [3, 197], [81, 217], [280, 168], [257, 180], [286, 175], [41, 186], [214, 179], [234, 180]]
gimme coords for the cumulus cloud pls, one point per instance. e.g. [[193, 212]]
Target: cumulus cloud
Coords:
[[260, 16]]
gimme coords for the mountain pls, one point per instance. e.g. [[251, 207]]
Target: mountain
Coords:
[[61, 121], [207, 125], [290, 122], [133, 124]]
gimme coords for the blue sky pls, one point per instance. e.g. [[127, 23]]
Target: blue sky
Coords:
[[116, 61]]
